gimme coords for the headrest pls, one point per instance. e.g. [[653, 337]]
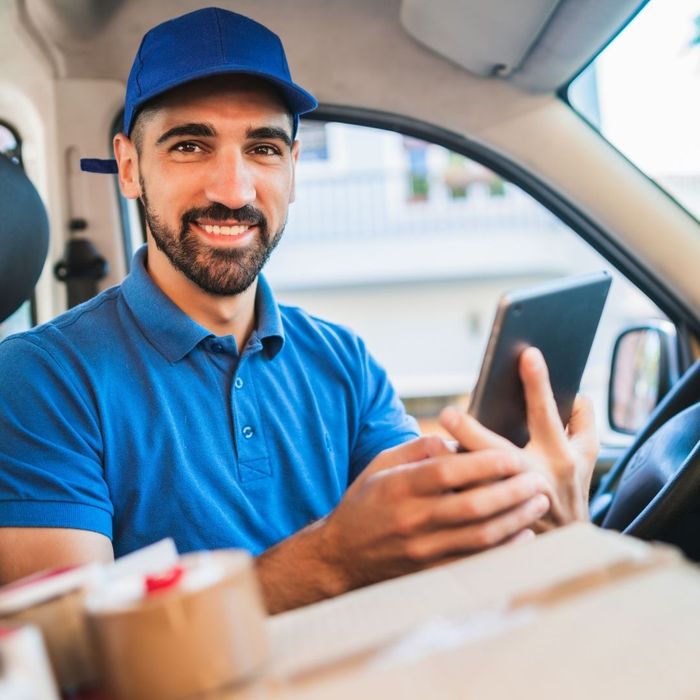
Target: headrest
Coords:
[[24, 237]]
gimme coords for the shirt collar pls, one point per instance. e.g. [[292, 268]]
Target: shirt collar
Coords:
[[172, 332], [270, 329]]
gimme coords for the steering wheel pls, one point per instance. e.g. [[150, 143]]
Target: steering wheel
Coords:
[[653, 492]]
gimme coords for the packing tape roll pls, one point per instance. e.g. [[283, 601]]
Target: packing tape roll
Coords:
[[195, 629], [54, 601], [25, 673]]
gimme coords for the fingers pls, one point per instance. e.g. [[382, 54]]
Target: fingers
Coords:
[[477, 536], [523, 536], [459, 471], [582, 427], [543, 421], [485, 501], [469, 433], [412, 451], [584, 438], [582, 416]]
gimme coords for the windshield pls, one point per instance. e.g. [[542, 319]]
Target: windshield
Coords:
[[643, 94]]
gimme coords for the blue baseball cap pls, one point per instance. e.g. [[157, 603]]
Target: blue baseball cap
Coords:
[[198, 45]]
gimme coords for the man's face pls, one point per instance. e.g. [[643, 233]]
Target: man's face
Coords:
[[216, 173]]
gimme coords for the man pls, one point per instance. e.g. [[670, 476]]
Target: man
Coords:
[[186, 403]]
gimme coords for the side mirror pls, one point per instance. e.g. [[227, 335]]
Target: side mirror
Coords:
[[644, 368]]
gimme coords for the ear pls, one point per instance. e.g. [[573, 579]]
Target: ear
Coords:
[[296, 147], [128, 164]]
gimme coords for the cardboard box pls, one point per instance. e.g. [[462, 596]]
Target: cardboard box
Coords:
[[576, 613]]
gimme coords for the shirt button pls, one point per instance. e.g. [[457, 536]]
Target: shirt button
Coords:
[[217, 347], [248, 432], [238, 383]]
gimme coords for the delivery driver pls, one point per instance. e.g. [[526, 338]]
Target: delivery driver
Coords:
[[186, 402]]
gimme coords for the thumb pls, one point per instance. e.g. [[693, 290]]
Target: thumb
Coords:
[[543, 421], [469, 433]]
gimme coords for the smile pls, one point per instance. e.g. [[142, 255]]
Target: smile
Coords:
[[235, 230]]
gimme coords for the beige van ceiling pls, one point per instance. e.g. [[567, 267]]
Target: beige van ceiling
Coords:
[[529, 42]]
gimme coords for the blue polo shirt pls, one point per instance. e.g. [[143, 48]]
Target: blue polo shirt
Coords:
[[125, 417]]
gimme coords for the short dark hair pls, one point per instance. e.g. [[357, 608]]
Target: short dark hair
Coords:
[[148, 110], [142, 117]]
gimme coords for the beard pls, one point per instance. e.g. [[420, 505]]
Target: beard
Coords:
[[217, 271]]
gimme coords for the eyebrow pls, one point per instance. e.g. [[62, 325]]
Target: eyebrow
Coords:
[[203, 129], [270, 132], [192, 129]]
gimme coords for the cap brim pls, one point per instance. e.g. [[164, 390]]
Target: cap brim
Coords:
[[106, 166]]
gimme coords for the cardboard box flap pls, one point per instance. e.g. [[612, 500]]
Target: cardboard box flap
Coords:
[[635, 637], [353, 627]]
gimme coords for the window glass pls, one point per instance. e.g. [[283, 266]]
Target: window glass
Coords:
[[643, 94], [411, 245], [313, 136], [10, 145], [21, 320]]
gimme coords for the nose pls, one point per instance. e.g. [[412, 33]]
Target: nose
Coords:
[[230, 181]]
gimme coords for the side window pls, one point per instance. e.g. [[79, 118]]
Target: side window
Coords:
[[411, 245], [22, 319]]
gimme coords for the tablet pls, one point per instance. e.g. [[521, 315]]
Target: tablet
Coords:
[[560, 318]]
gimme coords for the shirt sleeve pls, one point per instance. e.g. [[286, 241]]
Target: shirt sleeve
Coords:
[[51, 471], [384, 422]]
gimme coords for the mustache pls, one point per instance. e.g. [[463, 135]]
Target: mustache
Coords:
[[219, 212]]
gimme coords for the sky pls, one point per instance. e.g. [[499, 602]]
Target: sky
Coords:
[[649, 89]]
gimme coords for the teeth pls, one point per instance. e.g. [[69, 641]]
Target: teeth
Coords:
[[226, 230]]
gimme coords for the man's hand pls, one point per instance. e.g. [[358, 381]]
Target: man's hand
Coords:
[[414, 506], [565, 457], [421, 504], [434, 505]]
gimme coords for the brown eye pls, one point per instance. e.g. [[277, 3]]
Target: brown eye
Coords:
[[186, 147], [266, 150]]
